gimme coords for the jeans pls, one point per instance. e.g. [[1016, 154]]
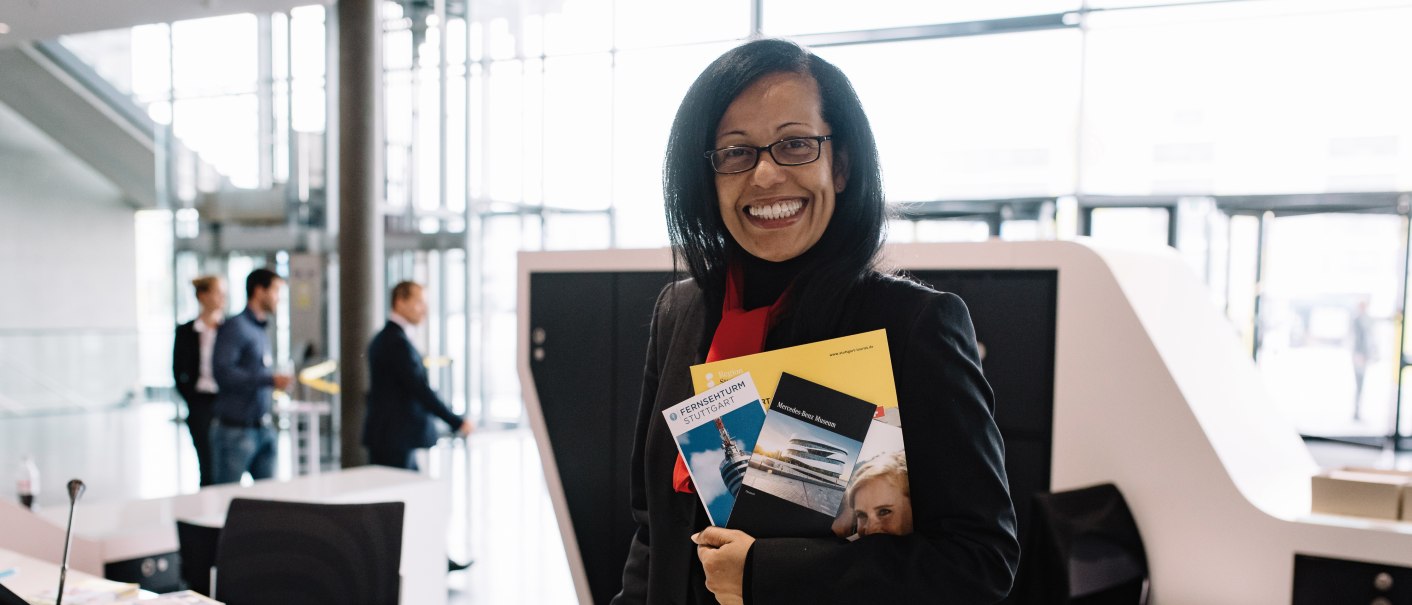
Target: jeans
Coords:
[[198, 422], [235, 450]]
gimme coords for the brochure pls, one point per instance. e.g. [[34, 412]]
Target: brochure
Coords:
[[858, 365], [882, 451], [802, 461], [715, 432]]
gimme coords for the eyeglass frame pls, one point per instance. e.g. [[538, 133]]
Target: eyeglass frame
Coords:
[[770, 149]]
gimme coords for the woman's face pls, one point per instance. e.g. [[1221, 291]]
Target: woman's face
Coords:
[[214, 298], [778, 212], [879, 507]]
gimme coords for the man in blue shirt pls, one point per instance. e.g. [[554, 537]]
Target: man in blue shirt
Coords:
[[241, 436]]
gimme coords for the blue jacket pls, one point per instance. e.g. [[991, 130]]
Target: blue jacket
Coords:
[[401, 403], [241, 364]]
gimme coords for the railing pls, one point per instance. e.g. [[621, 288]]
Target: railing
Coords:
[[65, 371]]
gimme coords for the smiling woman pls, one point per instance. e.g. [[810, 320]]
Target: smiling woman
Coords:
[[775, 207]]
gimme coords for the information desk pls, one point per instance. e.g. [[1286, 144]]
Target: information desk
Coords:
[[142, 533], [1152, 391], [30, 577]]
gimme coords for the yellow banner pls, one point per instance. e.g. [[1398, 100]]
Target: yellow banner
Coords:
[[314, 377], [858, 365]]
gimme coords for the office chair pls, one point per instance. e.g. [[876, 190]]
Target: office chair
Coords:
[[1083, 549], [197, 546], [298, 552]]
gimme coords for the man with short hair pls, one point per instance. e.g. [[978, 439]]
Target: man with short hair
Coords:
[[401, 403], [242, 438]]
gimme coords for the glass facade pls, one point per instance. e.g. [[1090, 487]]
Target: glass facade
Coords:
[[541, 124]]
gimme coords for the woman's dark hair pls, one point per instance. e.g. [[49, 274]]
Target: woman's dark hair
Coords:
[[845, 253]]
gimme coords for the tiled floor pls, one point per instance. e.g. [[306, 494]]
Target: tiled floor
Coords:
[[502, 517]]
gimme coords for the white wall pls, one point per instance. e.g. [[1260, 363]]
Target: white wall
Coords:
[[67, 248], [68, 280]]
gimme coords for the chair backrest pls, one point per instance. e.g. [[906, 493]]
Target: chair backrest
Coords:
[[197, 547], [298, 552], [1083, 549]]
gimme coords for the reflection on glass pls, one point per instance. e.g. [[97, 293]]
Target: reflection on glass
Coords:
[[109, 53], [398, 136], [577, 26], [1243, 261], [499, 388], [1180, 105], [577, 232], [577, 161], [1024, 230], [215, 56], [224, 132], [961, 131], [1327, 345], [509, 103], [648, 87], [789, 17], [643, 23], [1130, 227], [952, 231], [307, 41]]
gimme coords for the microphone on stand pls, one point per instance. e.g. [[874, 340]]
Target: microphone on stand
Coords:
[[76, 488]]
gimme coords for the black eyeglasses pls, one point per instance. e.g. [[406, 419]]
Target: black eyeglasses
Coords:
[[793, 151]]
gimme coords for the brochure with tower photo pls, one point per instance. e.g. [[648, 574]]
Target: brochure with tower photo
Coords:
[[803, 459], [715, 432]]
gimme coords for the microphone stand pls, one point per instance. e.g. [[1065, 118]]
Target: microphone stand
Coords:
[[76, 488]]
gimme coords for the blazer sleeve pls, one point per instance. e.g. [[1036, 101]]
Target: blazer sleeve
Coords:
[[634, 589], [182, 374], [963, 550], [412, 376], [237, 364]]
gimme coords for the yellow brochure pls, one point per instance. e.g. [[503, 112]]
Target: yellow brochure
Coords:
[[858, 365]]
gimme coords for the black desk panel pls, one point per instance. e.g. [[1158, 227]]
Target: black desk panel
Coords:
[[588, 374]]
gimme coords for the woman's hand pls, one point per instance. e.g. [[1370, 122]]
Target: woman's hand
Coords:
[[722, 552]]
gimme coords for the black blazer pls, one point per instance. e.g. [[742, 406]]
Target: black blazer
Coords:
[[401, 402], [186, 359], [963, 550]]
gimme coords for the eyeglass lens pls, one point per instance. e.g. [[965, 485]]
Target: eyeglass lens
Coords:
[[789, 152]]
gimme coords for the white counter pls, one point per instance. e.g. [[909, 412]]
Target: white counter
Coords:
[[118, 531]]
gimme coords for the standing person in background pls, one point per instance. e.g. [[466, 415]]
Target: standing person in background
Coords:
[[191, 368], [242, 438], [401, 402], [1362, 330]]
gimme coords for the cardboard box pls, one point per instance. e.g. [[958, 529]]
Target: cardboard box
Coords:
[[1406, 509], [1361, 493]]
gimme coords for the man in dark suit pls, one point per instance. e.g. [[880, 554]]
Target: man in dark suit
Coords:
[[191, 368], [401, 403], [242, 438]]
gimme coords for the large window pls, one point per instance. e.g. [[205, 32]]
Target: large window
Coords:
[[541, 124], [1330, 301], [952, 127], [1248, 97]]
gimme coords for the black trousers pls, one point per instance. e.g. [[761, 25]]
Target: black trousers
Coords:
[[393, 457], [199, 409]]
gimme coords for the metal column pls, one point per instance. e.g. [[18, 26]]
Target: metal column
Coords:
[[360, 179]]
